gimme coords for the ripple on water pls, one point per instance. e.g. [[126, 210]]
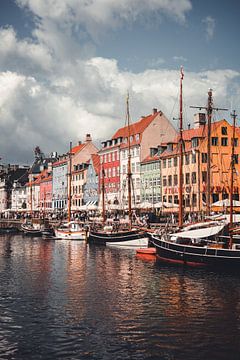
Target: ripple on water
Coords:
[[68, 300]]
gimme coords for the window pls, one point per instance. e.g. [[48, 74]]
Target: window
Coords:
[[124, 169], [169, 163], [170, 199], [214, 141], [113, 156], [236, 142], [187, 200], [164, 181], [164, 163], [187, 159], [175, 161], [175, 179], [224, 141], [224, 130], [194, 158], [195, 142], [137, 137], [204, 157], [194, 199], [235, 158], [187, 177], [175, 199], [194, 177], [169, 180], [204, 176]]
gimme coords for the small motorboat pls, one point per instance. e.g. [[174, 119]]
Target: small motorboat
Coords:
[[147, 251]]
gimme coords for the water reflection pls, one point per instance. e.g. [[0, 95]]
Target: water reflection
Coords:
[[68, 300]]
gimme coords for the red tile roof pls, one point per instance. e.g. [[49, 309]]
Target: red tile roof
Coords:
[[60, 162], [198, 132], [150, 158], [77, 148], [96, 162], [189, 134], [137, 127]]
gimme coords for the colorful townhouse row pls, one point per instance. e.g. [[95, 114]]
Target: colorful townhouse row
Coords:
[[154, 147]]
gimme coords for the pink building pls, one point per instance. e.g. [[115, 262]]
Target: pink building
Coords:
[[45, 190]]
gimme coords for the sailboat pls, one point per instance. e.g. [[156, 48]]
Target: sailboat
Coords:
[[202, 244], [72, 230], [114, 235], [28, 227]]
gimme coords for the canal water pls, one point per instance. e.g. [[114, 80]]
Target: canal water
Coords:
[[68, 300]]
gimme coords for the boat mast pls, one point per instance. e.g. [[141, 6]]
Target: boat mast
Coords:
[[70, 183], [180, 214], [129, 172], [209, 124], [209, 108], [31, 207], [103, 195], [232, 167]]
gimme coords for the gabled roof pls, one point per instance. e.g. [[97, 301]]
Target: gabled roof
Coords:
[[96, 162], [137, 127], [77, 148]]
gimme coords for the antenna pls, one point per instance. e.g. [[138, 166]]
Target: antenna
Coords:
[[209, 108]]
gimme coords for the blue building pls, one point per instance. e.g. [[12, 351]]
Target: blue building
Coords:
[[60, 184], [91, 187]]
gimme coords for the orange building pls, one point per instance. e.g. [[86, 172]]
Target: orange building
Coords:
[[195, 165]]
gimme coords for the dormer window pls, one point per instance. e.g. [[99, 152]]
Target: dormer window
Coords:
[[195, 142], [137, 137], [131, 138], [224, 130]]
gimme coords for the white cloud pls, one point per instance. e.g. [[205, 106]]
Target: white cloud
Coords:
[[96, 15], [53, 88], [38, 55], [210, 24]]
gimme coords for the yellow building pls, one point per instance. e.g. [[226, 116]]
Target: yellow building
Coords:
[[195, 165]]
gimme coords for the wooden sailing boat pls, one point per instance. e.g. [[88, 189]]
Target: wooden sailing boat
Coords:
[[114, 235], [72, 230], [196, 245]]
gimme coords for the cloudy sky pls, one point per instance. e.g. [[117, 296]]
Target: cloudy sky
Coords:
[[66, 66]]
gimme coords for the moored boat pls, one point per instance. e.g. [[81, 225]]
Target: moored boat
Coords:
[[31, 230], [115, 235], [213, 244], [133, 237], [72, 230], [192, 251]]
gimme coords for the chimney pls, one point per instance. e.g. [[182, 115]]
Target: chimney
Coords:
[[199, 120], [79, 143], [154, 111], [88, 138]]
